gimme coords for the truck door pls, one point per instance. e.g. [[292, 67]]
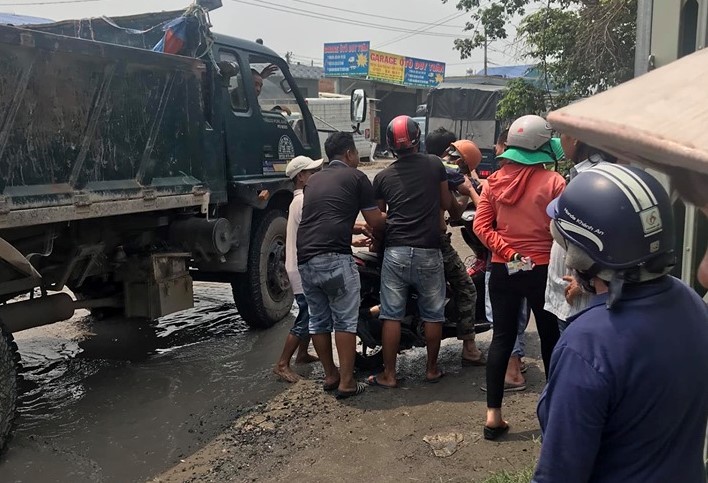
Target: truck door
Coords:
[[287, 128], [242, 125], [265, 129]]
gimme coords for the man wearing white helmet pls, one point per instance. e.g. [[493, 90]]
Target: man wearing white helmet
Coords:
[[511, 220], [624, 402]]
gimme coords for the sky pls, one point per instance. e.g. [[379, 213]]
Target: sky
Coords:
[[303, 26]]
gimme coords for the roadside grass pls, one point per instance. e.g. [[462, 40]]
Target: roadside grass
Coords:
[[523, 476]]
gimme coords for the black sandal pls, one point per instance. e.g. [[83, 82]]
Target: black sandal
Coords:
[[493, 433], [360, 388]]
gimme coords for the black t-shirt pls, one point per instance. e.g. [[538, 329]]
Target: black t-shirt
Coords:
[[411, 189], [332, 201]]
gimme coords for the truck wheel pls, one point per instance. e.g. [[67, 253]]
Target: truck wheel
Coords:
[[9, 365], [263, 294]]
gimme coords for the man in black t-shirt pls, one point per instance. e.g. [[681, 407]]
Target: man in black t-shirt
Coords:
[[332, 200], [414, 190]]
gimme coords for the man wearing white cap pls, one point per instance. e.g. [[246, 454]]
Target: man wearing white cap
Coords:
[[299, 170]]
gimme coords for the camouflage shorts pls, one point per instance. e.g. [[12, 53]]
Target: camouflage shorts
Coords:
[[463, 289]]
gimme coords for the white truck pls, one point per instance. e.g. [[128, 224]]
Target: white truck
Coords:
[[331, 113]]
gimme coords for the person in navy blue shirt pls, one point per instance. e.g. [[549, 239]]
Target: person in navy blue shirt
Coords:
[[626, 399]]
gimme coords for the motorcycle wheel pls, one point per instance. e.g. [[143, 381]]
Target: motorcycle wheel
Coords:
[[371, 362]]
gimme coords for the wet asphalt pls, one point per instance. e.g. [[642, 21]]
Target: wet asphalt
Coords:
[[120, 401]]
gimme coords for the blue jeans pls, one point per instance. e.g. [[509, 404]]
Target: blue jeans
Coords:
[[301, 326], [331, 285], [520, 343], [420, 269]]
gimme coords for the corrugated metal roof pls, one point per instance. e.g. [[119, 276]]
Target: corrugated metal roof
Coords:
[[511, 71], [14, 19], [302, 71]]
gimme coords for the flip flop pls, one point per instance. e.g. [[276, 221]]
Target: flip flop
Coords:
[[331, 387], [482, 361], [435, 380], [360, 388], [373, 381], [493, 433]]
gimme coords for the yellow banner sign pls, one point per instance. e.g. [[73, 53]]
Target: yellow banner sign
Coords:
[[386, 67]]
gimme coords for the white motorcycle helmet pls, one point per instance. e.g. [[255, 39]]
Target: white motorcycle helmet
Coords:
[[529, 132]]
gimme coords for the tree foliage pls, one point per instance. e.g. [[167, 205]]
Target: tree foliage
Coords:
[[520, 98], [581, 46]]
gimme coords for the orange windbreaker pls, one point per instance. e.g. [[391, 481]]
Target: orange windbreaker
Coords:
[[514, 201]]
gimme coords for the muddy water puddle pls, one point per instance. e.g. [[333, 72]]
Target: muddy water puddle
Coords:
[[119, 400]]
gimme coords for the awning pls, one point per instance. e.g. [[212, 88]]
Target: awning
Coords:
[[659, 118]]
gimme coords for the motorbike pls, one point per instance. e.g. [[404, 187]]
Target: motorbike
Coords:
[[370, 357]]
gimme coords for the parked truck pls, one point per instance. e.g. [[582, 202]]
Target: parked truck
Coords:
[[468, 110], [126, 174], [332, 112]]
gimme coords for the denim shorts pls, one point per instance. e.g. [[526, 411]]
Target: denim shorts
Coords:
[[421, 269], [331, 285], [301, 326]]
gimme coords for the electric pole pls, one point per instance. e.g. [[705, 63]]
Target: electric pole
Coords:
[[485, 52]]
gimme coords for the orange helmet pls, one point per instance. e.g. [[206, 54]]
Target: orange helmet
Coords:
[[468, 152]]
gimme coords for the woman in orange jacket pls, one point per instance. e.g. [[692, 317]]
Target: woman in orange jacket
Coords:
[[511, 220]]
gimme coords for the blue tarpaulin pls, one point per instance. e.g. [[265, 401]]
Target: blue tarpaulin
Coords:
[[12, 19]]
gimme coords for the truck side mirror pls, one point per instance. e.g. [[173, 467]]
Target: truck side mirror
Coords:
[[357, 107]]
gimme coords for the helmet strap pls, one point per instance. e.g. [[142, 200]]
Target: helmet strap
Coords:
[[615, 285]]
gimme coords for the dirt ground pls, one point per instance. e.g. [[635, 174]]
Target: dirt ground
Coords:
[[304, 434]]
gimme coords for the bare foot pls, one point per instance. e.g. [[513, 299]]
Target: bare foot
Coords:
[[306, 358], [470, 351], [513, 371], [286, 374]]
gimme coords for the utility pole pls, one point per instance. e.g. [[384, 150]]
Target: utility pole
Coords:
[[486, 43]]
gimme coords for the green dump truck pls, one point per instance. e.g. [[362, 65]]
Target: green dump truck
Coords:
[[126, 174]]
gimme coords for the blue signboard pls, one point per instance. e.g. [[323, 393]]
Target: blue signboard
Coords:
[[346, 59], [423, 73]]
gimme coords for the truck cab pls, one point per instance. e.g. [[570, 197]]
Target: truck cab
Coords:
[[262, 141]]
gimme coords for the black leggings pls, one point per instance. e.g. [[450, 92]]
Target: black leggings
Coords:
[[506, 293]]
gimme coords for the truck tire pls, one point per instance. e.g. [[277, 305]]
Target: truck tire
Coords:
[[9, 378], [263, 294]]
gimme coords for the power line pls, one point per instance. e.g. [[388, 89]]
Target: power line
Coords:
[[314, 15], [358, 12], [57, 2], [421, 31]]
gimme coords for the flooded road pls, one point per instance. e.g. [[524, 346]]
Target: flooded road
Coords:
[[120, 401]]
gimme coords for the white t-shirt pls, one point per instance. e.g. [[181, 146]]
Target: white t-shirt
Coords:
[[555, 285], [294, 218]]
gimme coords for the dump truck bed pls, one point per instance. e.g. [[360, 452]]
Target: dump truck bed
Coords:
[[91, 129]]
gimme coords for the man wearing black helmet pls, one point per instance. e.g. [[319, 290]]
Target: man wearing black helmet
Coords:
[[413, 190], [624, 402]]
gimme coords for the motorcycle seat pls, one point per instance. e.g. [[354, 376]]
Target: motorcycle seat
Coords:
[[369, 258]]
